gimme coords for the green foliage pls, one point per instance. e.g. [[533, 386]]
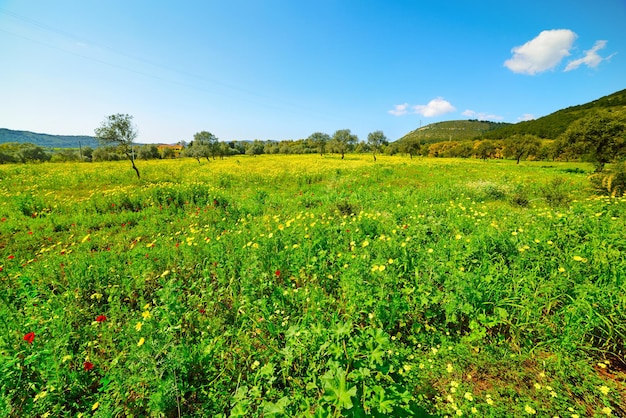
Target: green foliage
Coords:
[[308, 286], [343, 141], [600, 137], [555, 124]]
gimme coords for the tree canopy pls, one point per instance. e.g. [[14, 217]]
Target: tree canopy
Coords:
[[599, 137], [118, 130]]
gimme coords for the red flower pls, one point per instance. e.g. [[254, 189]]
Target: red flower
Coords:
[[202, 311], [29, 337], [87, 366], [11, 257], [101, 318], [277, 273]]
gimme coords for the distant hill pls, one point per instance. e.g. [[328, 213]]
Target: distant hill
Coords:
[[547, 127], [453, 130], [45, 140], [554, 124]]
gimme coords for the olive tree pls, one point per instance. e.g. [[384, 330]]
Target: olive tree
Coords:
[[319, 140], [599, 137], [118, 130], [343, 140], [375, 140]]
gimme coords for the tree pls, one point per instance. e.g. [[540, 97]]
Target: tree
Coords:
[[600, 137], [319, 140], [119, 130], [343, 141], [410, 147], [208, 141], [375, 140], [485, 149], [204, 145], [521, 146]]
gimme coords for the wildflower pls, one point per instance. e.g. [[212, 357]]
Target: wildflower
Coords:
[[141, 341], [11, 257], [365, 243], [449, 368], [604, 389], [95, 406], [29, 337], [101, 318], [529, 410], [277, 273], [606, 411], [577, 258], [87, 366], [468, 396], [146, 314], [138, 326]]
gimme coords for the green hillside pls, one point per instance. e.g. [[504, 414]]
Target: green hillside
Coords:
[[454, 130], [45, 140], [554, 124]]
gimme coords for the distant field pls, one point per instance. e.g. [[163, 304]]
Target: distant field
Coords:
[[310, 286]]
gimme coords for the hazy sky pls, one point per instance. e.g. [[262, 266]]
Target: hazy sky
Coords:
[[283, 69]]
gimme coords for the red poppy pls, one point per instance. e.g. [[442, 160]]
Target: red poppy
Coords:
[[29, 337], [202, 311], [11, 257], [277, 273], [87, 366], [101, 318]]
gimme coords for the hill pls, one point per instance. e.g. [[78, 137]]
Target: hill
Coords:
[[45, 140], [554, 124], [454, 130], [547, 127]]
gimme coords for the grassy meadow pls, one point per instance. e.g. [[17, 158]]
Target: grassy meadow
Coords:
[[311, 286]]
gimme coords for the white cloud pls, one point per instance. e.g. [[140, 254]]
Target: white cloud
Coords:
[[591, 58], [399, 110], [542, 53], [435, 107], [481, 115], [525, 117]]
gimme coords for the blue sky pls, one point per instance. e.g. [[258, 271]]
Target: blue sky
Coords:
[[283, 69]]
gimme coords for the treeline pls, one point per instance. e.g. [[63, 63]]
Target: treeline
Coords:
[[598, 137]]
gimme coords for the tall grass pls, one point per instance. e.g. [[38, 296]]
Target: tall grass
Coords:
[[309, 286]]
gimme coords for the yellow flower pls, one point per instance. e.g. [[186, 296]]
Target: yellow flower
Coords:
[[95, 406], [449, 368], [529, 410], [577, 258], [146, 314], [141, 341], [365, 243], [468, 396], [606, 410], [138, 326], [604, 389]]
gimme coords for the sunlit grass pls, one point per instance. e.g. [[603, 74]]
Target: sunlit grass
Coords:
[[310, 286]]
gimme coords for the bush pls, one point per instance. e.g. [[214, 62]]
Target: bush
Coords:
[[555, 192], [611, 181]]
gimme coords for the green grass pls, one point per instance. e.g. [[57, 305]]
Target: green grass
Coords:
[[309, 286]]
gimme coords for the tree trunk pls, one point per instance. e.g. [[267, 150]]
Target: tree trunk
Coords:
[[374, 154], [132, 161]]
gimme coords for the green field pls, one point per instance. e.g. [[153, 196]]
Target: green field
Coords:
[[311, 286]]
